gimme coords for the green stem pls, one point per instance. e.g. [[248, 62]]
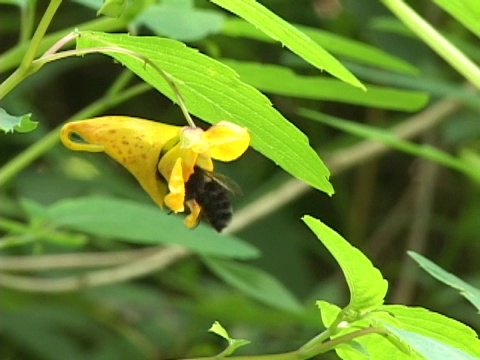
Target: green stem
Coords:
[[40, 33], [12, 57], [331, 344], [435, 40], [26, 69], [17, 164], [320, 338], [27, 19]]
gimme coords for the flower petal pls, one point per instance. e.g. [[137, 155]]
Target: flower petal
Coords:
[[227, 141], [176, 186], [135, 143], [191, 221]]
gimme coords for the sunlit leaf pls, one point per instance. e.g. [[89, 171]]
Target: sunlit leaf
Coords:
[[233, 344], [289, 36], [339, 45], [437, 328], [367, 285]]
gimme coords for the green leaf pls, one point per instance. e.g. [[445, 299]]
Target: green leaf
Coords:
[[255, 283], [180, 20], [112, 8], [21, 124], [428, 347], [143, 224], [290, 37], [389, 138], [434, 327], [233, 344], [346, 47], [213, 92], [283, 81], [367, 286], [328, 311], [467, 12], [471, 293], [372, 346]]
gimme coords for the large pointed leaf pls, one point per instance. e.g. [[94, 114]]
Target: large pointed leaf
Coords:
[[367, 285], [290, 37], [339, 45], [213, 92], [143, 224]]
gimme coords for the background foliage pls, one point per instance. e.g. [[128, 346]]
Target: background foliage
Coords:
[[419, 195]]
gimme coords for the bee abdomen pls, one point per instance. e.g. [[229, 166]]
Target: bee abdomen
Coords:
[[217, 206]]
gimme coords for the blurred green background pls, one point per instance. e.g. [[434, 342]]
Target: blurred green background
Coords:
[[383, 205]]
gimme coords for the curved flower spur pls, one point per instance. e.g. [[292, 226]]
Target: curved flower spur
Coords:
[[163, 158]]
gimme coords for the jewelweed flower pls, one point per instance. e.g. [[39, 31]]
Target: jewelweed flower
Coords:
[[161, 157]]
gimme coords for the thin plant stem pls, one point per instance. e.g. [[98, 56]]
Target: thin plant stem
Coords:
[[27, 20], [12, 58], [451, 54], [40, 33]]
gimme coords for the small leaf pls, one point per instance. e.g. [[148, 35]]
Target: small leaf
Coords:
[[21, 124], [254, 282], [469, 292], [143, 224], [367, 286], [328, 311], [290, 37], [213, 92], [233, 344], [218, 329]]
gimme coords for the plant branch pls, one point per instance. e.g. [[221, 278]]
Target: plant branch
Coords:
[[40, 33], [137, 268], [435, 40], [71, 261], [11, 58]]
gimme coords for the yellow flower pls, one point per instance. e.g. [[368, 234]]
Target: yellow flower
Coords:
[[161, 157]]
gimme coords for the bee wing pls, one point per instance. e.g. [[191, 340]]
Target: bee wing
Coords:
[[227, 183]]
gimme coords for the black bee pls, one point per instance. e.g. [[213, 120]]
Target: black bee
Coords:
[[211, 192]]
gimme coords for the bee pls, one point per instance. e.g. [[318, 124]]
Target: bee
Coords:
[[212, 191]]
